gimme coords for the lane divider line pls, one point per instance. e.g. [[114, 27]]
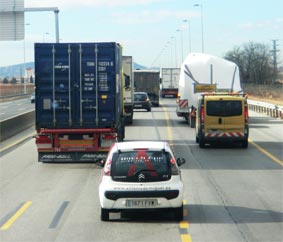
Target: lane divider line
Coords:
[[272, 157], [183, 225], [186, 238], [19, 212], [58, 215]]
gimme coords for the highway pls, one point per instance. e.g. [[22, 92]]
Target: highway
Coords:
[[15, 107], [231, 194]]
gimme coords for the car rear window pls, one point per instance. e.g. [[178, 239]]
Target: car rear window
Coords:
[[141, 166], [140, 97], [225, 108]]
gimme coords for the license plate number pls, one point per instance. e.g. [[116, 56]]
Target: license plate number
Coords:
[[138, 105], [141, 203]]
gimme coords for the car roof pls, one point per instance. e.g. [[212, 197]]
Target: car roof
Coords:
[[152, 145]]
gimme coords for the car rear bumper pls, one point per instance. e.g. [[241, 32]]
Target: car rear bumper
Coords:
[[161, 196]]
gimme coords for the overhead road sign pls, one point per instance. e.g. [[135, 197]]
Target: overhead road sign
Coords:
[[11, 20]]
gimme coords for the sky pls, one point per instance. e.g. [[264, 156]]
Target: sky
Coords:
[[155, 32]]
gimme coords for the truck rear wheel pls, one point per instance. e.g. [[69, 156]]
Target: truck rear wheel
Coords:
[[192, 122], [201, 143]]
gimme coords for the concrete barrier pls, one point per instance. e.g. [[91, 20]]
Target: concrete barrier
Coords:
[[271, 110], [16, 124]]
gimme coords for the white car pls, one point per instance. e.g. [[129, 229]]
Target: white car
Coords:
[[141, 175]]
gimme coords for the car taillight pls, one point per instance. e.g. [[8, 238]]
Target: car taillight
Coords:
[[202, 114], [246, 114], [107, 168]]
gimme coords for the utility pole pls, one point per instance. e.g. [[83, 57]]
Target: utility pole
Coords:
[[274, 51]]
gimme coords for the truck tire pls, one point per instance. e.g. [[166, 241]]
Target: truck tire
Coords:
[[121, 130], [192, 122], [201, 143]]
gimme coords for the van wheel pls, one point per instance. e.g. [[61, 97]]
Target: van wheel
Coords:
[[245, 144], [104, 214], [197, 139]]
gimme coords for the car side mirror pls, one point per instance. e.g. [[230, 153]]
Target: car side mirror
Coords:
[[181, 161]]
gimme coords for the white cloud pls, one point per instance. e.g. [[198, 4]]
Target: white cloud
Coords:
[[271, 24], [87, 3], [148, 16]]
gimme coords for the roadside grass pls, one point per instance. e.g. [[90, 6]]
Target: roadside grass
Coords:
[[271, 93]]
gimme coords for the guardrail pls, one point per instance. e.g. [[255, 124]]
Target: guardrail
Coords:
[[272, 110], [16, 124]]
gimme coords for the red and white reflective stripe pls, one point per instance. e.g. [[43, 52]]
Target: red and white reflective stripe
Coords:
[[183, 103], [225, 134]]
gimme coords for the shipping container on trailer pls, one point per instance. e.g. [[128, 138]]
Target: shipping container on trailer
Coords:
[[127, 62], [170, 81], [79, 100], [148, 81]]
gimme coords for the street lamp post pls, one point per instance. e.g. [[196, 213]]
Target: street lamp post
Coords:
[[44, 36], [181, 32], [202, 41], [189, 34], [25, 76], [172, 37]]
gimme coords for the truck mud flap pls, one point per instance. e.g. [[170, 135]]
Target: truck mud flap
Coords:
[[47, 157]]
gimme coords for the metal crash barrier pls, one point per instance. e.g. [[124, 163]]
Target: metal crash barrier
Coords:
[[271, 110]]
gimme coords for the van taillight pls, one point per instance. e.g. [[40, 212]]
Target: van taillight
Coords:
[[246, 114], [202, 114]]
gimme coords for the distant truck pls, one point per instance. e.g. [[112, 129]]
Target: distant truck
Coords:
[[128, 76], [148, 81], [201, 73], [170, 81], [79, 102]]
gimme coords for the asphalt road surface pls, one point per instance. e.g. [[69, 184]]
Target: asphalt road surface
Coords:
[[231, 194]]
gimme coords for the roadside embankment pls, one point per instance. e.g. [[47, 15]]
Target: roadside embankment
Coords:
[[16, 124]]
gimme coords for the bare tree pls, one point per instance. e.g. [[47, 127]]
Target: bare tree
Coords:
[[254, 61]]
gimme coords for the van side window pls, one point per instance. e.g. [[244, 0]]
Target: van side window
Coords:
[[224, 108]]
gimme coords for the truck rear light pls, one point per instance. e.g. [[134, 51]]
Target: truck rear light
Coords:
[[43, 141], [109, 136], [202, 114]]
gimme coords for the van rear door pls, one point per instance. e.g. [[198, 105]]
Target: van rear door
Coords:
[[224, 115]]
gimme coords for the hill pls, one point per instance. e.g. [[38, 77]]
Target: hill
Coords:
[[18, 70]]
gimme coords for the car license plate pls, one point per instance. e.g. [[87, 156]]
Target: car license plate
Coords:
[[138, 105], [141, 203]]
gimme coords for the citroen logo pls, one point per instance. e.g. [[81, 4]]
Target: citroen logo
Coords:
[[141, 177]]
